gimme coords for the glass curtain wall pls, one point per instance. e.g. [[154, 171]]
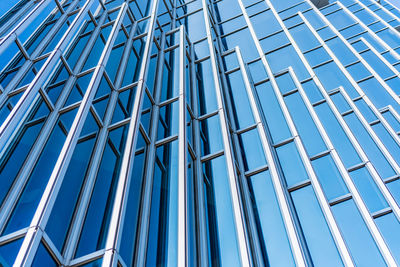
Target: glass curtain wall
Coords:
[[199, 133]]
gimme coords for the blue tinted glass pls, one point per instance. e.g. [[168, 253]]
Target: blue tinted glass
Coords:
[[62, 213], [212, 141], [305, 124], [390, 229], [312, 91], [368, 189], [252, 150], [43, 257], [9, 251], [341, 51], [11, 167], [205, 82], [131, 216], [273, 113], [304, 37], [359, 241], [329, 177], [291, 164], [220, 213], [315, 229], [369, 146], [337, 136], [331, 78], [243, 114], [26, 206], [283, 58], [387, 140], [270, 221]]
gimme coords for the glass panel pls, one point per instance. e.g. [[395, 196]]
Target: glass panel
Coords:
[[315, 229], [223, 243], [359, 241], [270, 223], [9, 251], [252, 150], [369, 191], [291, 164], [43, 257], [389, 227], [329, 177]]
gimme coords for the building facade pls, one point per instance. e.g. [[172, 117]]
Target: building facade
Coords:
[[199, 133]]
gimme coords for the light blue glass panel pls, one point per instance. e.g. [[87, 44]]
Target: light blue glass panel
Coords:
[[219, 204], [358, 71], [388, 141], [205, 83], [283, 58], [291, 163], [362, 247], [315, 229], [270, 222], [376, 63], [368, 189], [329, 177], [273, 113], [332, 77], [337, 136], [243, 114], [305, 125], [394, 123], [341, 51], [340, 19], [312, 91], [371, 149], [304, 37], [390, 229], [252, 150], [212, 140], [317, 56], [266, 18]]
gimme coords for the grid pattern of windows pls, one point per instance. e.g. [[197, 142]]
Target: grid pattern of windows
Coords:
[[199, 133]]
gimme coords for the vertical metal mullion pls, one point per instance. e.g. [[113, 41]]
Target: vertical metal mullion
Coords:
[[119, 206], [8, 128], [254, 241], [29, 62], [44, 134], [182, 155], [234, 190], [201, 221], [98, 153], [33, 236], [143, 225], [352, 188], [299, 254]]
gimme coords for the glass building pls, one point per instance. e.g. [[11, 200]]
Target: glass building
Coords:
[[199, 133]]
